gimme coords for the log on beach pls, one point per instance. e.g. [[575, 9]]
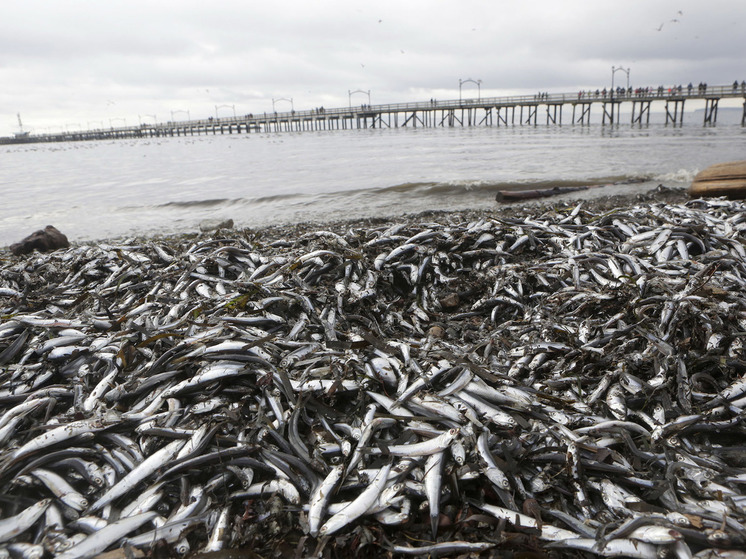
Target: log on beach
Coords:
[[722, 179]]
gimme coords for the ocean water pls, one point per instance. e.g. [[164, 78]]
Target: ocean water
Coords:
[[99, 190]]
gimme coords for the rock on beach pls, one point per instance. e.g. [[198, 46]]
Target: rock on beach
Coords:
[[43, 240]]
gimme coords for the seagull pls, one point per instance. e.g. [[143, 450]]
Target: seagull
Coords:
[[674, 21], [660, 27]]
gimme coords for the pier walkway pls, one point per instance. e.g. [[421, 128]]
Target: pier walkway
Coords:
[[525, 110]]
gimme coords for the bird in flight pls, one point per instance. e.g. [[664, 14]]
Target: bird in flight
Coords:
[[660, 27]]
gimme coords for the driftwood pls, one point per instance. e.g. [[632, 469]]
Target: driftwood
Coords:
[[722, 179], [518, 195]]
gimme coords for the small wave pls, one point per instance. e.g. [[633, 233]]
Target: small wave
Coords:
[[209, 203], [464, 186], [216, 203], [682, 176], [406, 187], [277, 198]]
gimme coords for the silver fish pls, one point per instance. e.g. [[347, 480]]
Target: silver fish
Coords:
[[101, 540], [12, 526], [359, 506]]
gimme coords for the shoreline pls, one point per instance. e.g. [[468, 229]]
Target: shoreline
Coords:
[[594, 202], [590, 198]]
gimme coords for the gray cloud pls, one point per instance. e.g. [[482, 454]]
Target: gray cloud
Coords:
[[91, 61]]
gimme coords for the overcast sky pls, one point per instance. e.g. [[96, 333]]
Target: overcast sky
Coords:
[[66, 64]]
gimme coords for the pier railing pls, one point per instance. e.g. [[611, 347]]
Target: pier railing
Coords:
[[583, 96]]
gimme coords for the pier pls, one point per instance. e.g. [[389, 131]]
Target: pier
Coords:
[[522, 110]]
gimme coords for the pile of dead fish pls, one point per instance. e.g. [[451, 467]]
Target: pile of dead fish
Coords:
[[572, 381]]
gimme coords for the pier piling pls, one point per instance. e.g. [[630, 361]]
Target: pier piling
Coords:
[[678, 111], [711, 110]]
